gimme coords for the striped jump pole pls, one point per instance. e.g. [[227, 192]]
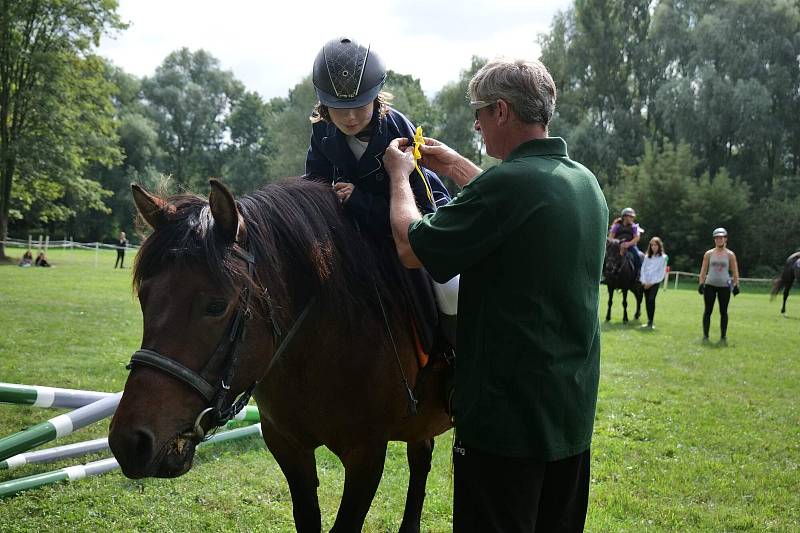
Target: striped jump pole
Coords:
[[58, 426], [74, 473], [248, 414], [55, 454], [38, 396], [66, 451]]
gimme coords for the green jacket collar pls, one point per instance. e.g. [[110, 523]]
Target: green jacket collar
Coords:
[[551, 146]]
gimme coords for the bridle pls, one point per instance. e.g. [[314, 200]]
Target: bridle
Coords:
[[218, 411]]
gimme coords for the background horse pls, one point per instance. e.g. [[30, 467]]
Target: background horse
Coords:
[[790, 274], [619, 273], [317, 290]]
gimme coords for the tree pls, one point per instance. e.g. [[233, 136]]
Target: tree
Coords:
[[410, 100], [189, 98], [290, 130], [55, 111], [456, 119], [247, 164]]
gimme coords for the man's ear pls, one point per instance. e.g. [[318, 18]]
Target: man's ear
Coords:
[[503, 112]]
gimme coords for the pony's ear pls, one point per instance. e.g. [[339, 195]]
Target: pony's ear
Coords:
[[152, 208], [226, 215]]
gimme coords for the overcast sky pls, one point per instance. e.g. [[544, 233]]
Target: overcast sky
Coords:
[[271, 44]]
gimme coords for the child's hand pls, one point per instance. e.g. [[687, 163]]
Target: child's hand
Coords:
[[343, 190]]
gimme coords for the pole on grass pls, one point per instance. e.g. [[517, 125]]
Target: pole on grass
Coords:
[[46, 243], [58, 453], [73, 473], [96, 251], [58, 426], [248, 414], [48, 396], [55, 454]]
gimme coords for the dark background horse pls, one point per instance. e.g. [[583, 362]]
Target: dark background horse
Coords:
[[619, 273], [784, 282], [339, 382]]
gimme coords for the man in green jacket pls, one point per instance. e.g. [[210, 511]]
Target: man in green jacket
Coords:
[[528, 238]]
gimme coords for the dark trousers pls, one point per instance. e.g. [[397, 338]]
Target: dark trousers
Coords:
[[511, 495], [650, 302], [120, 258], [710, 294]]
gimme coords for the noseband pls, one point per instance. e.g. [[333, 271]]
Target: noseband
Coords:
[[226, 355]]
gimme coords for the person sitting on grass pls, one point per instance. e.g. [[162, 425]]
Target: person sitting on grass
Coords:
[[27, 259], [41, 260]]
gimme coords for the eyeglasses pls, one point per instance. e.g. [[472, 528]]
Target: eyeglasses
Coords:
[[477, 105]]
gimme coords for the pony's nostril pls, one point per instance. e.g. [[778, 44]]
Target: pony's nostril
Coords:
[[142, 444]]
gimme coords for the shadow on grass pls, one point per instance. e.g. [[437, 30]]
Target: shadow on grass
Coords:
[[620, 326]]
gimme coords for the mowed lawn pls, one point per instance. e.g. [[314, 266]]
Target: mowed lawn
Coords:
[[688, 437]]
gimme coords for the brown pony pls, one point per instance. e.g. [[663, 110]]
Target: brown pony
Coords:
[[784, 282], [619, 273], [276, 293]]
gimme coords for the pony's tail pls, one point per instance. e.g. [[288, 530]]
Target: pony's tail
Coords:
[[777, 285]]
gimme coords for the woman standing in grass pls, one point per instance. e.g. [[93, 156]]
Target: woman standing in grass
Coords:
[[716, 282], [654, 268]]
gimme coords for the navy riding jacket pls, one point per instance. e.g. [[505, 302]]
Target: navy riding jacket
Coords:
[[331, 159]]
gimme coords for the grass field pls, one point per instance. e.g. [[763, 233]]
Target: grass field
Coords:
[[688, 437]]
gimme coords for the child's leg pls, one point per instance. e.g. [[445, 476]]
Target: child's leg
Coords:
[[447, 302]]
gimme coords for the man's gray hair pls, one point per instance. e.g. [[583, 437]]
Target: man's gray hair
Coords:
[[525, 85]]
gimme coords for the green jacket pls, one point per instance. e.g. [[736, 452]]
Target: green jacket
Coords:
[[528, 238]]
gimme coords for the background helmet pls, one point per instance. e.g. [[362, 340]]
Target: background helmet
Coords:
[[347, 74], [720, 232], [628, 211]]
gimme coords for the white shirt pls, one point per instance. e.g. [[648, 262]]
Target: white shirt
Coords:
[[653, 269], [357, 146]]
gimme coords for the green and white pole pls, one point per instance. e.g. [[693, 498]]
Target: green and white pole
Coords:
[[38, 396], [58, 453], [55, 454], [58, 426], [74, 473], [248, 414]]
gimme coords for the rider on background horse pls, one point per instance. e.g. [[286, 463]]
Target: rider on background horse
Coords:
[[352, 126], [627, 231]]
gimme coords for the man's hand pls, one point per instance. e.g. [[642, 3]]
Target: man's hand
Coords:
[[398, 160], [735, 290], [439, 157], [343, 190], [700, 288]]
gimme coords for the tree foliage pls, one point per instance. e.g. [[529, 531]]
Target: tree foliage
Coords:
[[719, 79], [55, 109]]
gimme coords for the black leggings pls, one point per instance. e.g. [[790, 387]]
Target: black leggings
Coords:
[[711, 293], [650, 301]]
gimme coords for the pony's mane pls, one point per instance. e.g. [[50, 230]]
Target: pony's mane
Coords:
[[303, 246]]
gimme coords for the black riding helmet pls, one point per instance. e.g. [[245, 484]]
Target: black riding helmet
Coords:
[[347, 75]]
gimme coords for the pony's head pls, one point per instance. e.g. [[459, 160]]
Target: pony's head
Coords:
[[197, 287], [613, 259]]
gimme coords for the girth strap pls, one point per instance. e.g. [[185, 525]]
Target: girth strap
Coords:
[[187, 375]]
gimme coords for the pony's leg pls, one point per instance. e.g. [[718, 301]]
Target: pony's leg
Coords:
[[300, 469], [786, 290], [638, 293], [610, 301], [363, 467], [419, 463], [624, 306]]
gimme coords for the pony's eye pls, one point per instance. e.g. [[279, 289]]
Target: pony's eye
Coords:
[[216, 308]]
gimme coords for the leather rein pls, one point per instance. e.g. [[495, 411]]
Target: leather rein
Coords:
[[218, 411]]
